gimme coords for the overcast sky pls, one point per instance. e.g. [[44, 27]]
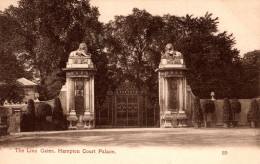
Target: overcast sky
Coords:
[[240, 17]]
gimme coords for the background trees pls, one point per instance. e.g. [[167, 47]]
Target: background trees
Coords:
[[134, 44], [11, 68], [37, 36], [250, 75], [133, 48], [209, 55], [50, 30]]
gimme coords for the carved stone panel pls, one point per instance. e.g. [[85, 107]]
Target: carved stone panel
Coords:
[[173, 94], [79, 96]]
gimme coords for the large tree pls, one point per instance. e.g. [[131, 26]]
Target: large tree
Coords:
[[210, 57], [10, 67], [135, 42], [133, 48], [52, 29], [48, 30], [250, 81]]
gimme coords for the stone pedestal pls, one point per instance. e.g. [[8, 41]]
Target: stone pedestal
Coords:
[[172, 89], [72, 118], [182, 119], [79, 90], [168, 119], [88, 120]]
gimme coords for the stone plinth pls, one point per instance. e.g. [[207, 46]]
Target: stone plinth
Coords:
[[88, 120], [172, 87], [79, 90]]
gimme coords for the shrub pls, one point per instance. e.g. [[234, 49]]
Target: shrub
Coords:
[[30, 117], [253, 111], [227, 115], [43, 110], [24, 123], [235, 106], [59, 120], [209, 106], [57, 111], [5, 112], [30, 109], [197, 112]]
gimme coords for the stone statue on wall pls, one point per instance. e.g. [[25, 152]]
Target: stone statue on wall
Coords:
[[81, 51], [172, 57]]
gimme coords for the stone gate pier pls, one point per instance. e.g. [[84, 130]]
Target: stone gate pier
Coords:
[[78, 91], [172, 88]]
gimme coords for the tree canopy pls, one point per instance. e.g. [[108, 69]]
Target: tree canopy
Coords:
[[37, 36], [250, 75], [49, 31], [11, 68], [135, 42]]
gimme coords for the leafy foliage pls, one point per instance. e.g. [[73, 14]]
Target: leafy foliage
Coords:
[[227, 115], [197, 112], [253, 111], [133, 49], [51, 30], [43, 33], [28, 119], [51, 85], [209, 106], [5, 112], [10, 67], [43, 110], [135, 42], [209, 56], [57, 111], [250, 78], [235, 106], [58, 118], [30, 108]]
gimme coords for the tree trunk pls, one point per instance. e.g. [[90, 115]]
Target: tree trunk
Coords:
[[206, 120]]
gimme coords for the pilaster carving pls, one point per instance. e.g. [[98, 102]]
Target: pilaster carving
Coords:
[[172, 83], [80, 89]]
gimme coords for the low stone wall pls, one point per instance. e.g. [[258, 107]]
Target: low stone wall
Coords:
[[15, 121], [216, 117], [16, 111], [4, 120]]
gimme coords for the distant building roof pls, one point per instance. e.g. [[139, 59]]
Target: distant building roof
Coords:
[[26, 82]]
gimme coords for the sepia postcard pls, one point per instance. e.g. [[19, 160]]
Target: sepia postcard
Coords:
[[130, 81]]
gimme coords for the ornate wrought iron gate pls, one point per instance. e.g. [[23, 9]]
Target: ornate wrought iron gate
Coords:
[[127, 107]]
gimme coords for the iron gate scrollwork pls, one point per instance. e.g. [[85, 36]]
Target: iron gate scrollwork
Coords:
[[127, 107]]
